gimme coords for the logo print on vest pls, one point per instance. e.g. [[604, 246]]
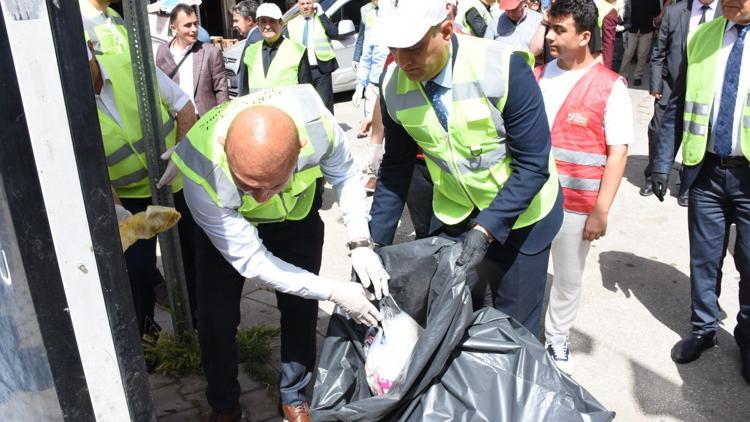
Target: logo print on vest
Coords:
[[577, 118]]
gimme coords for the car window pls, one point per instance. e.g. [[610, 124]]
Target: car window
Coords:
[[349, 11]]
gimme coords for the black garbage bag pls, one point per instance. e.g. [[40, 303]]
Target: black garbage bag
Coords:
[[466, 366]]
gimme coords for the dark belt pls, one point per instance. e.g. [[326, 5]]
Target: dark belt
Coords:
[[728, 162]]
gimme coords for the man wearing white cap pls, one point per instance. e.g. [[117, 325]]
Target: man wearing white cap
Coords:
[[477, 113], [277, 61]]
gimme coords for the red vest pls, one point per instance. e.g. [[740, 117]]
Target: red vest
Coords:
[[578, 140]]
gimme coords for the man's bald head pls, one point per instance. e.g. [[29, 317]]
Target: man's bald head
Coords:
[[262, 147]]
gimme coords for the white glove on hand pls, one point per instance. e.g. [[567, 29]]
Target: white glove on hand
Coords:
[[370, 269], [318, 9], [355, 65], [122, 213], [172, 170], [357, 97], [353, 299]]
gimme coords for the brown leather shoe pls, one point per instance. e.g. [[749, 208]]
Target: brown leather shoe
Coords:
[[234, 416], [296, 413]]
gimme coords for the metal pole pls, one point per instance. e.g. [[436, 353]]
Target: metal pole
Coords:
[[139, 37]]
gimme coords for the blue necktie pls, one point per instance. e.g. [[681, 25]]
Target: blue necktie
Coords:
[[434, 92], [304, 33], [725, 121]]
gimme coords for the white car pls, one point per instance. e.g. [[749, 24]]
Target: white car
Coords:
[[344, 13]]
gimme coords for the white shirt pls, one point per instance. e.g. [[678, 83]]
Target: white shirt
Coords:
[[238, 240], [186, 69], [696, 13], [557, 83], [310, 40], [743, 91], [171, 95]]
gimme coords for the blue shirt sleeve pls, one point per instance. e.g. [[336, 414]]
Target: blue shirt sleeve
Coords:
[[528, 143]]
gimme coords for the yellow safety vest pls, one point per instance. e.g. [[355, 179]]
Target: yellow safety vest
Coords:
[[124, 146], [469, 164], [283, 70], [322, 45], [702, 56], [201, 157], [466, 5], [107, 38]]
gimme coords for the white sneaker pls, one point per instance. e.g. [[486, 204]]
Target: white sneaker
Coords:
[[559, 351]]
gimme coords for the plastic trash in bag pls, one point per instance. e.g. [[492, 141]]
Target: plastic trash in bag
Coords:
[[389, 348], [465, 366]]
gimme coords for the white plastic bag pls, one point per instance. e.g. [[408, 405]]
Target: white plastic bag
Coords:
[[389, 349]]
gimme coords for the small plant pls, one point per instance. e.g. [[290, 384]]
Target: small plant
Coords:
[[172, 357], [254, 351]]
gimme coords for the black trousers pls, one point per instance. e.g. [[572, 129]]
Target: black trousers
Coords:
[[324, 85], [219, 296], [419, 200], [140, 259], [718, 197]]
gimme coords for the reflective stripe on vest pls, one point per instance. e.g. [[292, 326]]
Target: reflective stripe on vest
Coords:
[[202, 159], [123, 143], [703, 49], [578, 139], [469, 164], [466, 5], [322, 45], [108, 38], [283, 70]]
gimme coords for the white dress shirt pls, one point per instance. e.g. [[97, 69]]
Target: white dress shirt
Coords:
[[237, 239], [743, 93], [696, 13], [171, 95], [186, 69]]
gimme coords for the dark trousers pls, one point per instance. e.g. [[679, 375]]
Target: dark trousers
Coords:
[[219, 295], [140, 259], [324, 85], [516, 282], [718, 197], [419, 200]]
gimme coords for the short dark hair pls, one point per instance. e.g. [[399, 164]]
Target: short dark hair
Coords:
[[182, 7], [246, 8], [584, 13]]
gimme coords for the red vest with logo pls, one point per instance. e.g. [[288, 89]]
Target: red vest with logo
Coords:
[[578, 140]]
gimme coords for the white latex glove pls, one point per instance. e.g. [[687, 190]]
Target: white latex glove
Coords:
[[357, 97], [355, 65], [172, 170], [353, 299], [122, 213], [318, 9], [370, 270]]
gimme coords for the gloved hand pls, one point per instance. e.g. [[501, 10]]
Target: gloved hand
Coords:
[[355, 65], [353, 299], [318, 9], [122, 213], [370, 270], [172, 170], [475, 246], [357, 97], [659, 185]]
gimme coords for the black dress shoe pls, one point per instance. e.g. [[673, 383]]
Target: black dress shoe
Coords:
[[637, 82], [690, 348], [646, 189], [682, 200], [744, 354]]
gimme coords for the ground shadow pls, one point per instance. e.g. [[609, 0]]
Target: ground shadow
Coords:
[[710, 383]]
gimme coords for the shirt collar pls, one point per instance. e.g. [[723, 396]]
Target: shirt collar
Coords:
[[445, 77], [274, 45], [698, 5]]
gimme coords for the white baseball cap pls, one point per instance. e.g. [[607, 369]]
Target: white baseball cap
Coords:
[[403, 23], [269, 10]]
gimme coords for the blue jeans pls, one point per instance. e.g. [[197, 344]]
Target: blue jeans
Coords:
[[719, 197]]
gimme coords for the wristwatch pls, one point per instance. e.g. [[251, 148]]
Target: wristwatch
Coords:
[[358, 243]]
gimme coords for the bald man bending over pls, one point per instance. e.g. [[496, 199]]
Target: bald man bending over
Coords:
[[253, 180]]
